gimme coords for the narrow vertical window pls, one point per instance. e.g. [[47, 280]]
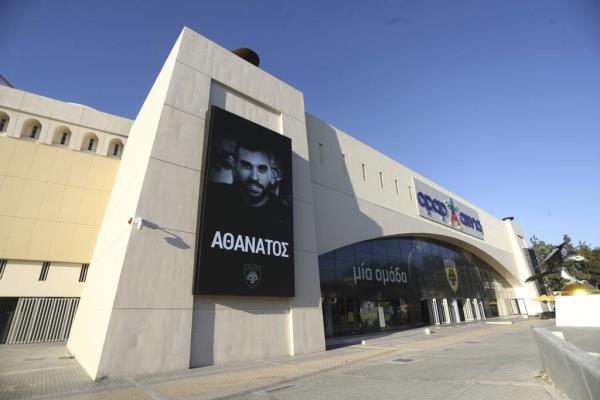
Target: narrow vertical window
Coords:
[[83, 273], [116, 150], [34, 131], [63, 139], [44, 271], [320, 146], [344, 165], [90, 145], [364, 172], [396, 183], [381, 179], [2, 267]]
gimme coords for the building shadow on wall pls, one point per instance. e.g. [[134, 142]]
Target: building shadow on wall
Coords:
[[172, 239]]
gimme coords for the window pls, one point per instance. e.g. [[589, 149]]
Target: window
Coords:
[[83, 273], [44, 271], [34, 131], [115, 148], [32, 128], [364, 172], [396, 183], [321, 158], [62, 136], [381, 179], [89, 142], [2, 267], [344, 165]]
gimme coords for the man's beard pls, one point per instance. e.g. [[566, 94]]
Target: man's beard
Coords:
[[254, 193], [254, 189]]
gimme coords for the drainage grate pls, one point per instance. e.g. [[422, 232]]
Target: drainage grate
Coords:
[[473, 342], [403, 360]]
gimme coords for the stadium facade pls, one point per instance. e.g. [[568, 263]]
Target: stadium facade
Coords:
[[172, 241]]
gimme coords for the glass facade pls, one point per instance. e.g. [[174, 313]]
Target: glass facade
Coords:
[[392, 283]]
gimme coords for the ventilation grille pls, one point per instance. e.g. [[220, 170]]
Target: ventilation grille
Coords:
[[42, 319], [83, 273]]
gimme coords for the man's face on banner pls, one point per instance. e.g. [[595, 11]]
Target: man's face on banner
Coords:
[[254, 175]]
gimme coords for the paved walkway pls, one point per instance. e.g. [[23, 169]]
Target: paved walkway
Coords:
[[467, 361]]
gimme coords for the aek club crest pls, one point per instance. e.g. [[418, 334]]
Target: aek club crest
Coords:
[[252, 274], [451, 274]]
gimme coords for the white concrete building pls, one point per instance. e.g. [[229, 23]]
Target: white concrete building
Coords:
[[359, 216]]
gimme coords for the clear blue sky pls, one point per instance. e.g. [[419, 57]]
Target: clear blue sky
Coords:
[[498, 101]]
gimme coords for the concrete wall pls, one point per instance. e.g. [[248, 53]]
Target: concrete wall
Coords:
[[21, 279], [578, 311], [572, 370], [137, 313], [55, 117], [352, 205]]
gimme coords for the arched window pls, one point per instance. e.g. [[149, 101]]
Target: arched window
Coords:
[[4, 120], [89, 142], [115, 149], [62, 136], [31, 129]]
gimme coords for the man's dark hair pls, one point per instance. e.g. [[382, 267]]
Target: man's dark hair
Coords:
[[252, 144]]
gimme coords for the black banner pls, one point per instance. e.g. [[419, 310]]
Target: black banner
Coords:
[[246, 242]]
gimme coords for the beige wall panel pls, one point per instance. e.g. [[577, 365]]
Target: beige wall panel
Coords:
[[62, 241], [188, 90], [42, 163], [118, 125], [184, 128], [19, 238], [67, 112], [145, 329], [168, 268], [61, 167], [245, 107], [94, 118], [7, 149], [71, 204], [6, 224], [296, 130], [36, 104], [52, 201], [83, 243], [11, 97], [306, 277], [31, 199], [230, 328], [92, 208], [21, 279], [10, 193], [171, 196], [102, 173], [22, 159], [196, 51], [39, 247], [80, 169], [308, 330]]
